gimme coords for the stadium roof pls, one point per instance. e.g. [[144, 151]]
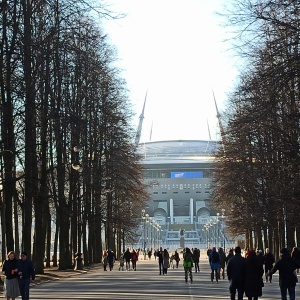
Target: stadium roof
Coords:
[[178, 150]]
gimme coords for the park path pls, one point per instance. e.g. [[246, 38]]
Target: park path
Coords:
[[145, 283]]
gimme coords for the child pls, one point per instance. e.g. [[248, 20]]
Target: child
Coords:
[[105, 260], [121, 262]]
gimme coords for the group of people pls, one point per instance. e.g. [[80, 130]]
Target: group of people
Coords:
[[246, 273], [18, 273], [127, 257]]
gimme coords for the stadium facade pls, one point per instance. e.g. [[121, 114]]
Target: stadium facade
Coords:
[[179, 176]]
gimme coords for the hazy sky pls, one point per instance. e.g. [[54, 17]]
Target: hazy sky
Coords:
[[173, 49]]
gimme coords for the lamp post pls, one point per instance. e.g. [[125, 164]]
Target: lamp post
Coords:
[[144, 229], [159, 236], [217, 227], [147, 231], [77, 167], [222, 218]]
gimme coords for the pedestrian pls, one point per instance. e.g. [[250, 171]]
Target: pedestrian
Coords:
[[150, 254], [229, 255], [155, 253], [121, 261], [177, 258], [222, 262], [160, 260], [10, 270], [208, 252], [188, 264], [287, 266], [260, 255], [296, 255], [268, 262], [105, 261], [166, 261], [25, 271], [253, 276], [134, 259], [111, 257], [127, 257], [196, 257], [236, 274], [214, 260]]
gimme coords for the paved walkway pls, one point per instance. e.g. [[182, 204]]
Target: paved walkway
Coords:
[[145, 283]]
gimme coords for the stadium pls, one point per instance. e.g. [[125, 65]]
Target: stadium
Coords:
[[179, 174]]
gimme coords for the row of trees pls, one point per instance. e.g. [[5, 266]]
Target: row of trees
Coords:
[[68, 165], [257, 169]]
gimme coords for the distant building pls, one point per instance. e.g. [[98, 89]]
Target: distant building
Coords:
[[179, 175]]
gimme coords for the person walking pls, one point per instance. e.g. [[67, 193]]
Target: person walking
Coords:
[[296, 255], [127, 257], [25, 271], [287, 266], [268, 262], [10, 270], [111, 257], [177, 258], [166, 261], [196, 256], [188, 264], [253, 276], [236, 274], [150, 254], [214, 260], [229, 255], [208, 252], [160, 260], [121, 261], [105, 261], [134, 259], [222, 263]]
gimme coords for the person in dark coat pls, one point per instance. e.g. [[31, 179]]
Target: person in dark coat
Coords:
[[127, 257], [208, 252], [11, 283], [253, 276], [111, 257], [196, 255], [160, 260], [222, 262], [229, 255], [260, 255], [268, 262], [177, 259], [236, 274], [25, 271], [296, 255], [287, 277]]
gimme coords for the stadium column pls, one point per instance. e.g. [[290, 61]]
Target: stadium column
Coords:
[[192, 210], [171, 211]]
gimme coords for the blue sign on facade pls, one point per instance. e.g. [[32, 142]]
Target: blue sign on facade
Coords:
[[198, 174]]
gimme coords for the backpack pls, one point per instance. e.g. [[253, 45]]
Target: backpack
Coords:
[[215, 257], [188, 257]]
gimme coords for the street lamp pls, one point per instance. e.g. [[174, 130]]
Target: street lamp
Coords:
[[77, 167], [218, 235], [147, 231], [144, 229], [222, 218]]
